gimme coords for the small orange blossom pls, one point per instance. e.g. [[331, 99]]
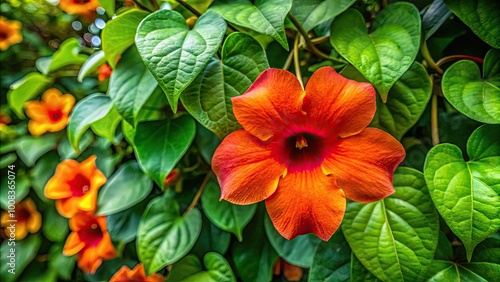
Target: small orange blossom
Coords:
[[27, 219], [90, 240], [75, 186], [305, 151], [84, 8], [290, 271], [10, 33], [51, 113], [137, 274], [104, 72]]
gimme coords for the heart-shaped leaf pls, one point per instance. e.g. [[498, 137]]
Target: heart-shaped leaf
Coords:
[[189, 269], [312, 13], [229, 217], [160, 144], [332, 261], [475, 96], [30, 148], [360, 273], [299, 251], [395, 238], [25, 89], [481, 16], [119, 34], [467, 193], [25, 252], [174, 54], [131, 85], [106, 126], [91, 65], [80, 120], [67, 54], [208, 98], [164, 236], [212, 239], [407, 100], [263, 16], [126, 187], [388, 52]]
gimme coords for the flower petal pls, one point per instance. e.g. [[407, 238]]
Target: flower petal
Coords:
[[37, 128], [365, 177], [89, 260], [272, 103], [246, 169], [105, 249], [36, 110], [73, 244], [67, 207], [338, 105], [306, 202], [88, 201]]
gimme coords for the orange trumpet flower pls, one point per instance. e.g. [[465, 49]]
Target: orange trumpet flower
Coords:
[[90, 240], [75, 186], [84, 8], [10, 33], [126, 274], [51, 114], [305, 151], [25, 219]]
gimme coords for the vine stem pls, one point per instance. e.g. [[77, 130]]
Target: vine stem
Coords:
[[434, 115], [309, 43], [189, 7], [458, 57], [428, 58], [296, 61], [288, 61], [198, 194]]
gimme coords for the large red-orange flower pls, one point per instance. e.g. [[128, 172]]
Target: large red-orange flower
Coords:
[[90, 240], [51, 113], [305, 151], [24, 218], [84, 8], [10, 33], [75, 186], [137, 274]]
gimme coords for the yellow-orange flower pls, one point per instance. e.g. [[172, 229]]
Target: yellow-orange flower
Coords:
[[90, 240], [51, 113], [75, 186], [84, 8], [24, 218], [137, 274], [10, 33], [304, 151]]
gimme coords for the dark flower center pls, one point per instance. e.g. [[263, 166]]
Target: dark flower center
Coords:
[[55, 115], [305, 152], [3, 35], [22, 215], [91, 235], [81, 2], [79, 185]]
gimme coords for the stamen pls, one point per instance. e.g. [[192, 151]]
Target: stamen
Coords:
[[93, 226], [85, 189], [300, 142]]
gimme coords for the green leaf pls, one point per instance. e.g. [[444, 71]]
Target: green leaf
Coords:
[[60, 263], [80, 120], [481, 16], [25, 252], [164, 236], [108, 6], [359, 273], [131, 85], [332, 261], [206, 142], [189, 269], [8, 160], [42, 172], [30, 148], [174, 54], [451, 271], [106, 126], [91, 65], [55, 227], [467, 193], [26, 89], [395, 238], [122, 226], [315, 12], [119, 34], [388, 52], [161, 144], [67, 54], [19, 185], [254, 257], [208, 97], [67, 152], [211, 238], [475, 96], [127, 186], [407, 100], [263, 16], [433, 17], [299, 251], [228, 217]]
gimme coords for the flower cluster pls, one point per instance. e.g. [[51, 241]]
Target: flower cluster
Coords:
[[10, 33], [26, 217]]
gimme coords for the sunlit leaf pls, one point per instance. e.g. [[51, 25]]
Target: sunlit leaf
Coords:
[[189, 269], [312, 13], [26, 89]]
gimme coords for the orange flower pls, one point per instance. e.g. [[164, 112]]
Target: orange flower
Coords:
[[137, 274], [75, 186], [84, 8], [51, 114], [104, 72], [305, 151], [290, 271], [90, 240], [24, 218], [10, 33]]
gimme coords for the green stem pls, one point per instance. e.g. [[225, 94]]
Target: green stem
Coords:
[[189, 7], [434, 116], [310, 45], [288, 61], [458, 57], [198, 194], [296, 61], [428, 58]]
